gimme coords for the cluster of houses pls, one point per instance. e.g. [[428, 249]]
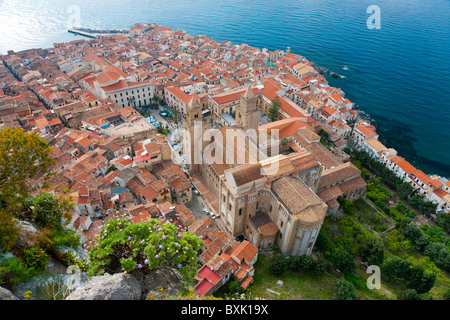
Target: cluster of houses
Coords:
[[82, 97]]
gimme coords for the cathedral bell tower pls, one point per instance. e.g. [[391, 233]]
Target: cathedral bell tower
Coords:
[[193, 128], [247, 114]]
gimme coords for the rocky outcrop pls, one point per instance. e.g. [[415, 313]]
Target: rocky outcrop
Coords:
[[133, 286], [5, 294], [28, 235], [119, 286]]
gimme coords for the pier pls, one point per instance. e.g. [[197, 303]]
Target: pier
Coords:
[[92, 33]]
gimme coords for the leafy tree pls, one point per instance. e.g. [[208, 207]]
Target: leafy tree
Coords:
[[235, 287], [396, 268], [156, 99], [447, 294], [404, 190], [144, 246], [324, 244], [420, 280], [346, 205], [24, 157], [284, 141], [274, 110], [9, 229], [372, 251], [344, 290], [396, 241], [320, 265], [409, 294], [277, 264], [417, 238], [36, 258], [443, 220], [48, 210], [439, 253], [343, 260]]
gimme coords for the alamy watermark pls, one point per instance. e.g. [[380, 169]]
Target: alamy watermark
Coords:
[[230, 146], [74, 19], [373, 281], [374, 21]]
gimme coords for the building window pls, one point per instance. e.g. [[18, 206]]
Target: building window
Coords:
[[240, 211]]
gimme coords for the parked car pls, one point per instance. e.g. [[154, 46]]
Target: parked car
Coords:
[[206, 211], [196, 192], [213, 215]]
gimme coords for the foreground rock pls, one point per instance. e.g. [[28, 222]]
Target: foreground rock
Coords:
[[133, 286], [28, 235], [119, 286], [5, 294]]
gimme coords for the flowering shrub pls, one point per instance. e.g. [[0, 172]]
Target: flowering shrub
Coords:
[[124, 246]]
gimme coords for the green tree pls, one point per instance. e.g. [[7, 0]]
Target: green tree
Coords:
[[417, 238], [284, 141], [9, 229], [145, 246], [274, 110], [372, 251], [344, 290], [277, 264], [156, 99], [409, 294], [324, 244], [24, 158], [396, 268], [48, 210], [343, 260], [235, 287], [396, 241], [447, 294], [420, 280]]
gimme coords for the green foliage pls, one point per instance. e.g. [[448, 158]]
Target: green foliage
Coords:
[[300, 263], [396, 268], [344, 290], [320, 266], [372, 251], [125, 246], [64, 238], [414, 277], [235, 287], [47, 210], [284, 141], [346, 205], [277, 264], [343, 260], [8, 229], [35, 258], [434, 234], [400, 206], [419, 279], [324, 244], [443, 220], [447, 294], [13, 270], [409, 294], [352, 229], [404, 190], [395, 241], [376, 192], [417, 238], [274, 109], [24, 155], [439, 253]]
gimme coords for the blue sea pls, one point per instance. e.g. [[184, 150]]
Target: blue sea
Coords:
[[398, 74]]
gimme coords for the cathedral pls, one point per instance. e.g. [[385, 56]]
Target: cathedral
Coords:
[[272, 198]]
